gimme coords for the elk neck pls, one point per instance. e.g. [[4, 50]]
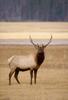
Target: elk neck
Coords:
[[40, 58]]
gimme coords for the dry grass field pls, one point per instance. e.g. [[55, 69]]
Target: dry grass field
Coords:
[[52, 79]]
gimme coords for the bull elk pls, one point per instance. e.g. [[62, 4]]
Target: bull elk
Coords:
[[30, 62]]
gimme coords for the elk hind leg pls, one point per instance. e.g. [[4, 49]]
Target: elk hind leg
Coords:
[[10, 75], [16, 75]]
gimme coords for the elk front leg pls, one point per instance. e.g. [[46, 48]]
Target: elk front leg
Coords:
[[35, 75], [31, 75]]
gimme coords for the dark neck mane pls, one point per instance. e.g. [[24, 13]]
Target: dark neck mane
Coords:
[[40, 58]]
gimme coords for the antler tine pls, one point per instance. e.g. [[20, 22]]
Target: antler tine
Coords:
[[33, 42], [48, 42]]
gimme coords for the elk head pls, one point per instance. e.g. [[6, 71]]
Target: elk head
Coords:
[[40, 51]]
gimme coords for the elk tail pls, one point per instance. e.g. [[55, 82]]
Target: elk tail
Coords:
[[10, 60]]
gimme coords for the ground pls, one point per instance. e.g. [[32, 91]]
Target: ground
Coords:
[[52, 79], [52, 84]]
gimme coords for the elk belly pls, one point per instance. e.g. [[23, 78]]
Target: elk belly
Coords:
[[24, 61]]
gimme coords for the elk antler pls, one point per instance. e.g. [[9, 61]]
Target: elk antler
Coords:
[[35, 45], [48, 42]]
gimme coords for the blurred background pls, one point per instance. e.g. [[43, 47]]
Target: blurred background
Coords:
[[33, 10], [39, 18]]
